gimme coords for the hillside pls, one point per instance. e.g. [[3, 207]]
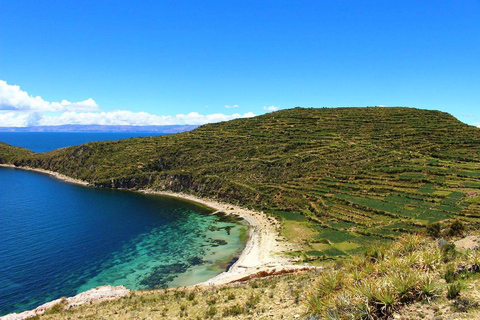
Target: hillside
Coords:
[[8, 152], [339, 178]]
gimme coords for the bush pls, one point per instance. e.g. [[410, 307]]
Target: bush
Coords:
[[375, 254], [329, 282], [212, 311], [234, 310], [252, 301], [453, 290], [57, 308], [463, 305], [456, 228], [433, 230], [450, 275], [448, 252], [428, 290]]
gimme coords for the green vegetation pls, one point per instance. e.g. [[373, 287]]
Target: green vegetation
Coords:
[[405, 279], [339, 179], [381, 282], [8, 153]]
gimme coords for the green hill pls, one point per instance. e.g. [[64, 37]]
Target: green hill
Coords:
[[348, 175]]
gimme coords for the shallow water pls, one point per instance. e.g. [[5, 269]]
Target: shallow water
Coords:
[[58, 239]]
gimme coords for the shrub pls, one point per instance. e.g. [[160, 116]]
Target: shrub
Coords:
[[234, 310], [433, 230], [252, 301], [405, 285], [59, 307], [450, 275], [428, 289], [380, 297], [456, 228], [463, 304], [329, 282], [448, 252], [211, 312], [453, 290], [375, 254]]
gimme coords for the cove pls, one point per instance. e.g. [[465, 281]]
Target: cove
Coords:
[[58, 239]]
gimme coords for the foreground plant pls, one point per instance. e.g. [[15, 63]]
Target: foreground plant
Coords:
[[377, 284]]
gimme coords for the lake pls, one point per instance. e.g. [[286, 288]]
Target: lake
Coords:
[[58, 239]]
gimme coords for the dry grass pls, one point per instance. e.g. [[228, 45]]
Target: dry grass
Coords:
[[271, 297]]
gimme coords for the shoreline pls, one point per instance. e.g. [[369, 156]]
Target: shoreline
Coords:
[[263, 249], [57, 175]]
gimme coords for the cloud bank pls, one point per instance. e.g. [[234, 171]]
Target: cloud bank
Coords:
[[19, 109], [13, 119], [271, 108], [12, 98]]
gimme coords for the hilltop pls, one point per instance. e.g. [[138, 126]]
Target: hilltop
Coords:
[[339, 179]]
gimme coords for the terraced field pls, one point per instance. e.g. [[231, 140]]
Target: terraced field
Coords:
[[339, 178]]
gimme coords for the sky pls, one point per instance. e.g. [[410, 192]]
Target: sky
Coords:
[[194, 62]]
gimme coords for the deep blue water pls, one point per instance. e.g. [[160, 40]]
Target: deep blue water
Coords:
[[48, 141], [58, 239]]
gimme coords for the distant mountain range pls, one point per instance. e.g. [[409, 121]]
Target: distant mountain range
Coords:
[[101, 128]]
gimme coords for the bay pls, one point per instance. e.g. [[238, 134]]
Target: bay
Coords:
[[59, 239]]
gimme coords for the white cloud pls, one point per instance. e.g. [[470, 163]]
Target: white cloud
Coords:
[[271, 108], [19, 109], [12, 119], [232, 107], [12, 98]]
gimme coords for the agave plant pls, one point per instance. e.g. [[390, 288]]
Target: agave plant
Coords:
[[428, 289], [431, 259], [406, 285], [329, 282]]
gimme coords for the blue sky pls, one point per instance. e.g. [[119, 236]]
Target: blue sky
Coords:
[[144, 61]]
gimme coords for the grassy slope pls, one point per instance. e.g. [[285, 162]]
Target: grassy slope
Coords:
[[8, 153], [354, 174]]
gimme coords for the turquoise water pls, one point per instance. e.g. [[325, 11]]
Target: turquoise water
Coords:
[[58, 239]]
